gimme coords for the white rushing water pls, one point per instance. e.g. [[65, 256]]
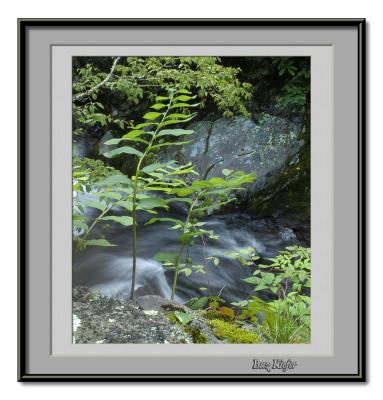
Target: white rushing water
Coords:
[[108, 269]]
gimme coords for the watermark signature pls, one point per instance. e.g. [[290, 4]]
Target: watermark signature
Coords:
[[277, 364]]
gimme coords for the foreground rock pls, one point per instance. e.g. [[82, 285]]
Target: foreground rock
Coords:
[[148, 319]]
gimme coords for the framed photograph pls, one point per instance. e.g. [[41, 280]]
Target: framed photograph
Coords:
[[192, 200]]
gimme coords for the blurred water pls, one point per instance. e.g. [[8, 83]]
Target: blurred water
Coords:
[[108, 269]]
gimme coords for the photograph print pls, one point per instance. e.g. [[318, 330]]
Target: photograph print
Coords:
[[191, 200]]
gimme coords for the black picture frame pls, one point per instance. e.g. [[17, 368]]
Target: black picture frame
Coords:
[[23, 26]]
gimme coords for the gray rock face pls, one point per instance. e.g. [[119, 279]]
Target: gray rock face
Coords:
[[241, 144], [101, 319]]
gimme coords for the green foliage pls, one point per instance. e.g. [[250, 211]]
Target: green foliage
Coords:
[[202, 197], [155, 177], [137, 78], [286, 319], [86, 172], [232, 333], [198, 303], [295, 92], [197, 335], [108, 188], [292, 265], [183, 317], [246, 256], [280, 85]]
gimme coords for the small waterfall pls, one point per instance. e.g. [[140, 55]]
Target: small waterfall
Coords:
[[150, 278]]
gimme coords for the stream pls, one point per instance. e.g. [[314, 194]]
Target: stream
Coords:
[[108, 269]]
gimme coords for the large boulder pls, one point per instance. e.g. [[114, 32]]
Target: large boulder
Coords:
[[261, 147]]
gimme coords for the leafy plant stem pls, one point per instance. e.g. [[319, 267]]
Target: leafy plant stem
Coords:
[[177, 266], [182, 247], [97, 220], [135, 191]]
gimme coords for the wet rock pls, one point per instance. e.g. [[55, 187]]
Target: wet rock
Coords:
[[287, 234]]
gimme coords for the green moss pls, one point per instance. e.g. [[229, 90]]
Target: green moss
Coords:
[[212, 314], [173, 318], [232, 333], [196, 334], [193, 331]]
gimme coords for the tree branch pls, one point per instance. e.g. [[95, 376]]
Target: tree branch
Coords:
[[80, 96]]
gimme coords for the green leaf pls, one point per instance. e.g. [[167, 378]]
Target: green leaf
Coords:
[[252, 279], [184, 98], [199, 303], [161, 98], [182, 105], [95, 204], [180, 117], [132, 136], [110, 195], [80, 224], [268, 277], [261, 286], [128, 205], [117, 141], [157, 106], [153, 220], [242, 303], [157, 146], [165, 256], [183, 317], [155, 166], [175, 132], [114, 180], [144, 124], [135, 134], [158, 189], [152, 202], [111, 142], [186, 271], [124, 220], [98, 242], [177, 199], [302, 276], [152, 115], [123, 150], [183, 91], [175, 121], [183, 191], [185, 237]]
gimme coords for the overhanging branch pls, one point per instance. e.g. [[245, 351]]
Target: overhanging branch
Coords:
[[80, 96]]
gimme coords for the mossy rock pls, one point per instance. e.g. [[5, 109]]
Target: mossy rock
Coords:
[[193, 331], [212, 314], [231, 333], [173, 318], [197, 329], [196, 334]]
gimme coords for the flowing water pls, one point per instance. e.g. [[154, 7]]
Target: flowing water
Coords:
[[108, 269]]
